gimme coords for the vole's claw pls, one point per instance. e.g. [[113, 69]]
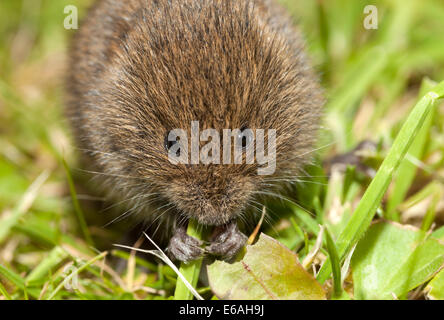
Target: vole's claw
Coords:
[[227, 241], [183, 247]]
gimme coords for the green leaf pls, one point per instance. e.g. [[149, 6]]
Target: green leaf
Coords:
[[269, 271], [439, 234], [436, 287], [392, 260]]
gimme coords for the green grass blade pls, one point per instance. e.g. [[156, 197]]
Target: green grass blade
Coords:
[[75, 273], [77, 208], [16, 280], [407, 170], [23, 206], [56, 256], [13, 277], [364, 213], [142, 262], [305, 218], [4, 292], [431, 212], [358, 79], [334, 258], [191, 270]]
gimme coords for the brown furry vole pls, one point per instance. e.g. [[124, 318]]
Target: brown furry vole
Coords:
[[140, 68]]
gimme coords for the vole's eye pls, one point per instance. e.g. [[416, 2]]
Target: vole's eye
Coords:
[[246, 137], [169, 144]]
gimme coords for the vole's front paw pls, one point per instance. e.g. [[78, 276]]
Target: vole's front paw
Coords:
[[183, 247], [227, 241]]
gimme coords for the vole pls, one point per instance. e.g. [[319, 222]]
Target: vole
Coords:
[[141, 68]]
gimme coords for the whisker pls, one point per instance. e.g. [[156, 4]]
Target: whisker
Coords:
[[272, 194], [109, 174], [127, 200], [158, 218], [113, 155], [119, 218]]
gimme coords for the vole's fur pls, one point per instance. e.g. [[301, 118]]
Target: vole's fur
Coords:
[[140, 68]]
